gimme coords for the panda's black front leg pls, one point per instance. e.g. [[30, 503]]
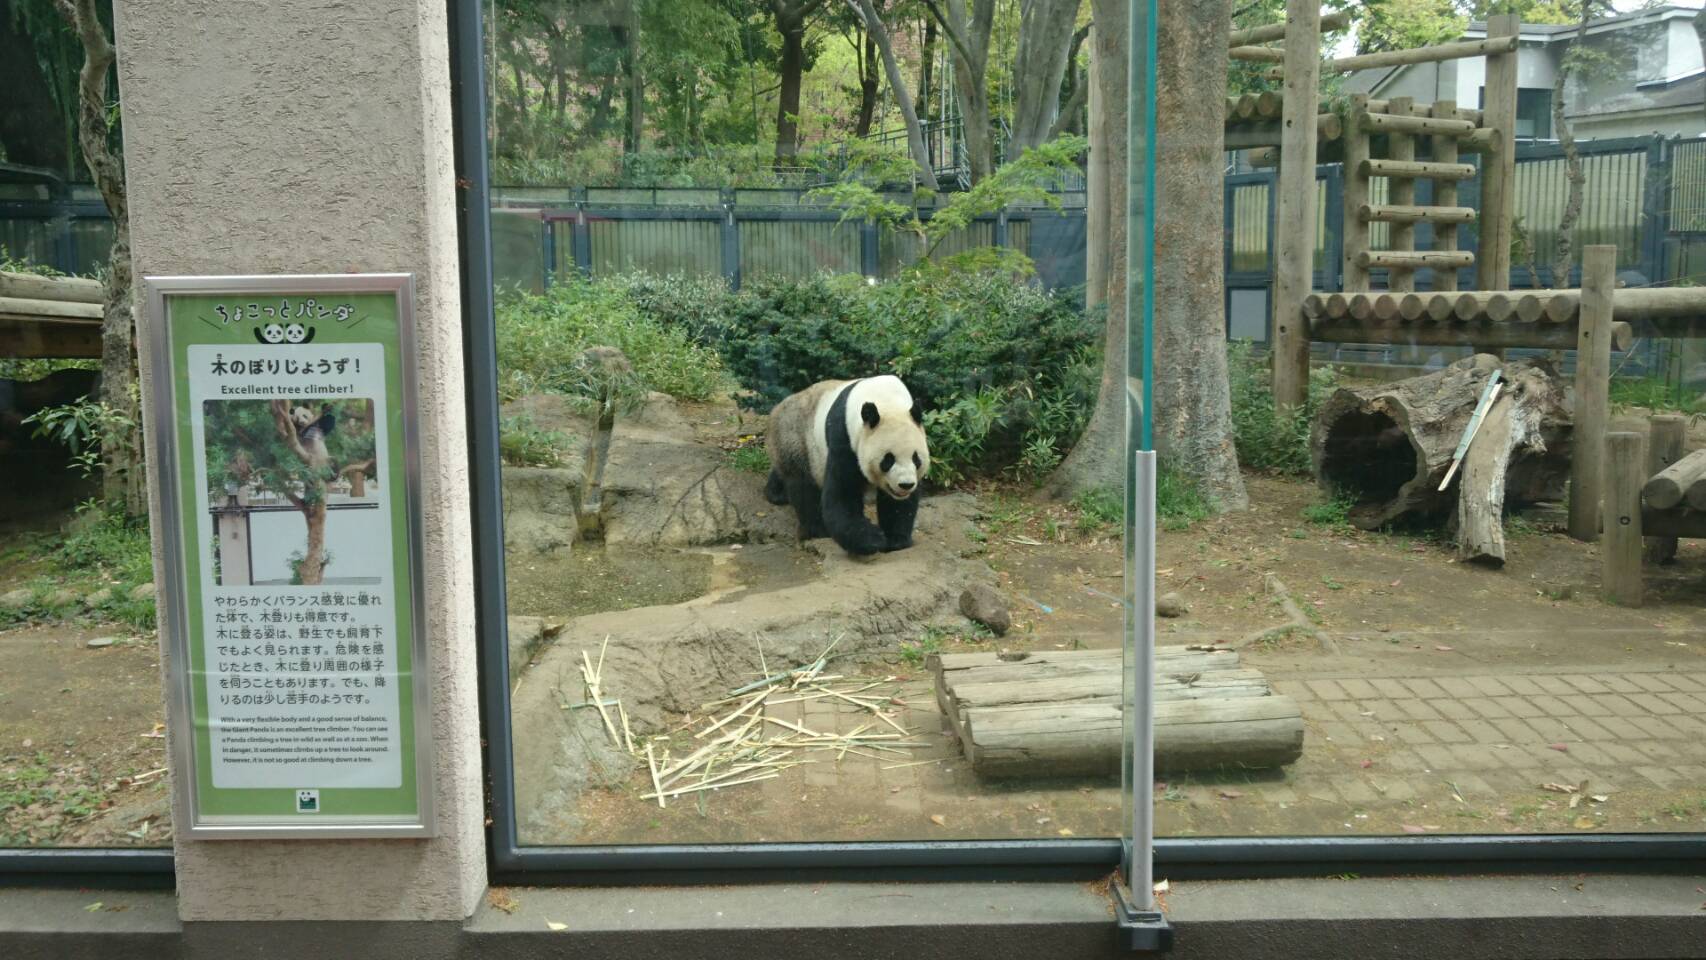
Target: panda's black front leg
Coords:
[[896, 518], [844, 511]]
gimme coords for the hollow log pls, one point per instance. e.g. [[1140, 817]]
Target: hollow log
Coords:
[[1087, 739], [1389, 446]]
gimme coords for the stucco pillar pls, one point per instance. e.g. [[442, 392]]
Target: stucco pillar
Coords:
[[314, 136]]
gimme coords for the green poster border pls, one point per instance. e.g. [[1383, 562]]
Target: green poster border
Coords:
[[183, 316]]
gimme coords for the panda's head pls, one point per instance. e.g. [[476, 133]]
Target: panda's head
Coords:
[[886, 428], [296, 333], [273, 333], [301, 416]]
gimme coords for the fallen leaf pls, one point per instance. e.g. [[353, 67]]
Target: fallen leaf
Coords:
[[554, 926], [1162, 886], [500, 899], [1064, 831], [93, 907], [1599, 798], [1585, 823], [938, 820], [1575, 801], [1560, 747], [1230, 794]]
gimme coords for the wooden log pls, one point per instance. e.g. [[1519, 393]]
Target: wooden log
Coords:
[[1088, 739], [1355, 229], [1667, 437], [1402, 193], [1338, 305], [1386, 308], [1669, 487], [1441, 109], [1257, 54], [1412, 307], [1394, 123], [1107, 685], [1507, 428], [952, 668], [1498, 175], [1418, 169], [30, 308], [1394, 442], [1392, 213], [28, 286], [1620, 554], [1315, 305], [28, 338], [1417, 259], [1656, 303], [1676, 522], [1338, 20], [1530, 307], [1482, 336], [1362, 307], [1253, 134], [1294, 226], [1231, 107], [1433, 54], [1467, 307], [1562, 306], [1445, 195], [1246, 106], [1593, 385], [1498, 307]]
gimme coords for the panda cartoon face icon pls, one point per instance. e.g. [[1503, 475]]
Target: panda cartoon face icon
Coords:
[[273, 333], [296, 333], [284, 334]]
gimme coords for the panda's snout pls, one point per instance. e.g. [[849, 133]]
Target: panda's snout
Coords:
[[906, 486]]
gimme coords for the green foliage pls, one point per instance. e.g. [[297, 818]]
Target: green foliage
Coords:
[[246, 445], [1178, 501], [1098, 509], [1654, 393], [541, 339], [1405, 24], [1333, 512], [522, 443], [109, 545], [99, 550], [1266, 439], [79, 427], [750, 458], [297, 559]]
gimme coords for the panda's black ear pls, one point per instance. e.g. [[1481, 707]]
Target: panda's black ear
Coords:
[[870, 415], [917, 413]]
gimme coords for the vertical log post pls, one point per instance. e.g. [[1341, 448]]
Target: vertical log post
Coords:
[[1355, 229], [1498, 166], [1620, 552], [1445, 195], [1401, 192], [1294, 269], [1664, 447], [1593, 386]]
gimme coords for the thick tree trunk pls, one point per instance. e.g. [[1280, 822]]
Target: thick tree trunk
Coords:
[[1046, 30], [968, 34], [1098, 460], [1193, 409], [878, 34], [312, 569], [1391, 446], [121, 447], [788, 105]]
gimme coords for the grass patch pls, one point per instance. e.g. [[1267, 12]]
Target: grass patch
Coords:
[[750, 458], [936, 639], [522, 443], [99, 551], [1267, 439], [1654, 393], [1334, 512], [1178, 501], [1098, 509]]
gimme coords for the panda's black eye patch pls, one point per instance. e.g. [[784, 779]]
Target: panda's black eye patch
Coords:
[[888, 462], [916, 462]]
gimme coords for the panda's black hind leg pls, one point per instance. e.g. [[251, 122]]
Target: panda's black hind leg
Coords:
[[807, 500], [776, 489]]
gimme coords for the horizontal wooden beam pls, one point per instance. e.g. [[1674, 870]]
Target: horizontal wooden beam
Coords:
[[1433, 54], [1396, 123], [1267, 33], [1483, 336], [28, 286], [1393, 213], [1678, 522], [1430, 110], [1417, 170], [49, 309], [1257, 54], [30, 339], [1416, 259], [1241, 135]]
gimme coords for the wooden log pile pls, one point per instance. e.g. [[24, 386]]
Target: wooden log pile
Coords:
[[1544, 319], [49, 317], [1050, 714]]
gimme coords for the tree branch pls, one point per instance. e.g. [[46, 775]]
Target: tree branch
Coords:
[[92, 129], [287, 431], [954, 33]]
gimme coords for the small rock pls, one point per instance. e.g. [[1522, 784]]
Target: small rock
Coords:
[[1171, 605], [99, 642], [142, 591], [982, 604], [62, 598], [99, 598], [16, 599]]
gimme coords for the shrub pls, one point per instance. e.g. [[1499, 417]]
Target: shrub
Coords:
[[541, 338], [522, 443], [1267, 440], [750, 458]]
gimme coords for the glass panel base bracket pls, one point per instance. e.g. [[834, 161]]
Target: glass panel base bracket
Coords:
[[1141, 930]]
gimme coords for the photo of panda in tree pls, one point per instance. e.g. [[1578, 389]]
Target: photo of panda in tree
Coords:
[[306, 456]]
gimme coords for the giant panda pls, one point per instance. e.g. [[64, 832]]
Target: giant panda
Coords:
[[311, 433], [836, 441]]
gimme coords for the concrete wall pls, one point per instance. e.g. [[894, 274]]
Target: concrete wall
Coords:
[[314, 136]]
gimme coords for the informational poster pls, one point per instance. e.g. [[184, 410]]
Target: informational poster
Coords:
[[284, 415]]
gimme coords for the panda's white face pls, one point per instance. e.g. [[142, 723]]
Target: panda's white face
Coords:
[[273, 333], [888, 434], [295, 333], [301, 416]]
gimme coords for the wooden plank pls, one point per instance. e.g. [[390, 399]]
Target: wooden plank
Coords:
[[1419, 169], [1498, 174], [1593, 384], [29, 286], [1445, 195], [1086, 739], [1393, 213], [1417, 259], [1676, 522], [1667, 439], [1294, 264], [1620, 554], [1401, 147], [1394, 123], [1536, 336], [24, 338]]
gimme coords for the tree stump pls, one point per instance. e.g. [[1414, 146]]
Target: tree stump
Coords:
[[1388, 447]]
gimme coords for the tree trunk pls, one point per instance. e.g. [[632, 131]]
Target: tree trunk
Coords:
[[793, 31], [312, 569], [636, 91], [1046, 31], [868, 84], [968, 36], [1391, 446], [1193, 408], [1098, 460], [1566, 235], [879, 34], [926, 65], [121, 448]]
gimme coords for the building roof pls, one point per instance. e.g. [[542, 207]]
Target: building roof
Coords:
[[1554, 32]]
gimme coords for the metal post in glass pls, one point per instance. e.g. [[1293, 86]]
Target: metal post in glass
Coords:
[[1142, 925]]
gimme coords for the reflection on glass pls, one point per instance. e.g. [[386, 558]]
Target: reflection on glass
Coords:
[[748, 254]]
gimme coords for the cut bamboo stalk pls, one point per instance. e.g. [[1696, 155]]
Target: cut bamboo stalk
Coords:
[[652, 765]]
